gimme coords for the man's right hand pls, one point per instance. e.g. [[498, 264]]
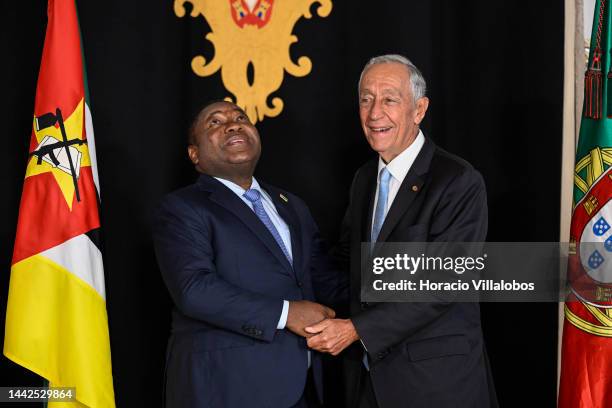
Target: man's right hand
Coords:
[[304, 313]]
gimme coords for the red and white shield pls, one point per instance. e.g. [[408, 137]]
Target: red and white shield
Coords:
[[590, 267], [251, 12]]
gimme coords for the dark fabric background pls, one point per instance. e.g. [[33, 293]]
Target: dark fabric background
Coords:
[[494, 71]]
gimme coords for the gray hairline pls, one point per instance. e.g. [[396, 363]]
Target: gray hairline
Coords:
[[418, 85]]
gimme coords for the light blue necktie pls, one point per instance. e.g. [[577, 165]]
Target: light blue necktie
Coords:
[[254, 196], [379, 218], [381, 203]]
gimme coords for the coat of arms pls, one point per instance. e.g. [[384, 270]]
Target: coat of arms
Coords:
[[252, 35]]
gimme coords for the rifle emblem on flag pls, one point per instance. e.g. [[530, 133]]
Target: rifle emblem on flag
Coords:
[[59, 154], [61, 148]]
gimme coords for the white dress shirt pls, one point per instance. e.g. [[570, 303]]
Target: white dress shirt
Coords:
[[280, 225], [398, 168]]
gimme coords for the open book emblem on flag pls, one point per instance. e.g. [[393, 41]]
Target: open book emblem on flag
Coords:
[[61, 150], [60, 155]]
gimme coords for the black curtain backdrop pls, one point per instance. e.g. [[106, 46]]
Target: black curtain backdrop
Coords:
[[494, 71]]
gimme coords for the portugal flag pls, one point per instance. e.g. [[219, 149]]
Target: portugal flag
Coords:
[[56, 322], [586, 366]]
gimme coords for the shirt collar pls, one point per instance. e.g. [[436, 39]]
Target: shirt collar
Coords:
[[237, 189], [400, 166]]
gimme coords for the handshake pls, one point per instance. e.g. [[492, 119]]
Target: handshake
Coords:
[[317, 323]]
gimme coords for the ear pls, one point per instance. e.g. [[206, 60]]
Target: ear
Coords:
[[421, 108], [192, 152]]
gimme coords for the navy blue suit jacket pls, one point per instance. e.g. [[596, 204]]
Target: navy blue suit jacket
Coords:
[[228, 278], [421, 354]]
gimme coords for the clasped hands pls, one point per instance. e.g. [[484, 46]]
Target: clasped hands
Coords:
[[317, 323]]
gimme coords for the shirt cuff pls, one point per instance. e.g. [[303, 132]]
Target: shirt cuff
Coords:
[[282, 322]]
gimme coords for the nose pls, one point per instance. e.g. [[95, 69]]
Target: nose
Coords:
[[375, 111], [233, 127]]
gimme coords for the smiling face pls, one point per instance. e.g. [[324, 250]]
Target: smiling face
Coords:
[[389, 116], [225, 143]]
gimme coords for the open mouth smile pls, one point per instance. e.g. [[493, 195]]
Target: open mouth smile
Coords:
[[236, 140], [380, 130]]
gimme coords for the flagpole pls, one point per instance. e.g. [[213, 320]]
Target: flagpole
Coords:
[[573, 22]]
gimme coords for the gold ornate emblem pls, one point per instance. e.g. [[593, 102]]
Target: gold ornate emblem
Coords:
[[595, 164], [256, 35], [604, 318], [592, 179]]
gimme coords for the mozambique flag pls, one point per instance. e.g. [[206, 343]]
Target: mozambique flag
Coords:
[[56, 321], [586, 366]]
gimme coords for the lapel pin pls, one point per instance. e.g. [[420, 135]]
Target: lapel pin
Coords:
[[415, 188], [285, 199]]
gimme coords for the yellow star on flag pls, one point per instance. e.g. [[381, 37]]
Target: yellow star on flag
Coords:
[[79, 153]]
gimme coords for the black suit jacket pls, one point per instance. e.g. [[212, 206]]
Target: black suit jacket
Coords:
[[228, 278], [421, 354]]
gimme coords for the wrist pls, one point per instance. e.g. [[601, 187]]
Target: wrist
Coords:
[[355, 335]]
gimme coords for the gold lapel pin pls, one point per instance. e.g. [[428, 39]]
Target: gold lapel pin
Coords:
[[285, 199], [415, 188]]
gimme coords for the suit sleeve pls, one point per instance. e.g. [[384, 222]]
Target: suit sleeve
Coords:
[[340, 254], [460, 216], [330, 284], [337, 260], [186, 258]]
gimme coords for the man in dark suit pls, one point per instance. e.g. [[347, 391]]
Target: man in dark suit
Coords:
[[408, 354], [243, 263]]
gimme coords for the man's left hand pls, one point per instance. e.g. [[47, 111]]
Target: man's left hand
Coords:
[[332, 335]]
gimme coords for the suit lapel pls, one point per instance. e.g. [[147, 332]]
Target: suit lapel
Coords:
[[228, 200], [405, 196], [408, 191], [287, 213], [363, 198], [365, 193]]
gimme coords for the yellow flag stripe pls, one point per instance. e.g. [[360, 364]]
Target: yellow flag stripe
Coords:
[[57, 327]]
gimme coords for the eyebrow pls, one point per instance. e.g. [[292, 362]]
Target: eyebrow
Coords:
[[219, 111], [384, 92]]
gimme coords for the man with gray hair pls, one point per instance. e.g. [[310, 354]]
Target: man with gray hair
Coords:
[[408, 354]]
